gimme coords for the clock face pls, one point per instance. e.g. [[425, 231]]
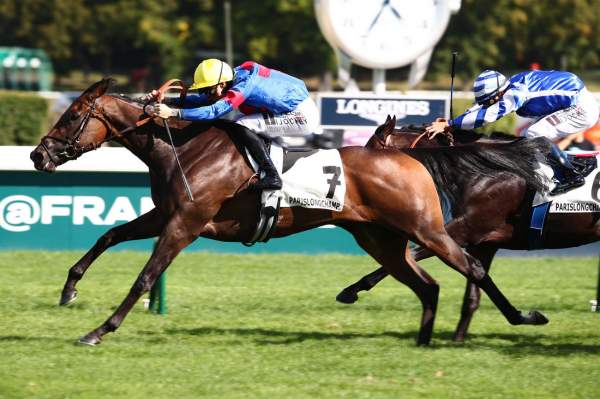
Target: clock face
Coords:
[[383, 33]]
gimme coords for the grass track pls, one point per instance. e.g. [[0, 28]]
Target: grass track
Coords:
[[268, 327]]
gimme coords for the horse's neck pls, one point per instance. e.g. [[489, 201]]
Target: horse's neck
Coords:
[[151, 144], [142, 140]]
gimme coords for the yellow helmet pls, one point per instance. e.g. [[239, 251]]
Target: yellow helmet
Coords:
[[211, 72]]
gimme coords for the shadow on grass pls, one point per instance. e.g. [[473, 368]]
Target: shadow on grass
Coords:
[[512, 344], [29, 338]]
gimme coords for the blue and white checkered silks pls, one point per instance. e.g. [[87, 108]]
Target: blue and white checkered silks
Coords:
[[487, 84]]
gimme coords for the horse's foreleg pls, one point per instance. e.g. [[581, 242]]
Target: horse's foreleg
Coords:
[[172, 240], [485, 254], [392, 252], [147, 225], [350, 294]]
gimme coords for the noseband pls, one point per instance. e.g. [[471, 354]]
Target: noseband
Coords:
[[72, 149]]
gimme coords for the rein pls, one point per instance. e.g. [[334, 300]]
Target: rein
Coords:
[[448, 136], [172, 84]]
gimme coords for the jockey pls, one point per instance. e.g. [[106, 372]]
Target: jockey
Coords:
[[558, 102], [259, 99]]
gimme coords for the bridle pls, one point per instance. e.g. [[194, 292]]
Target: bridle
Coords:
[[72, 150], [385, 141]]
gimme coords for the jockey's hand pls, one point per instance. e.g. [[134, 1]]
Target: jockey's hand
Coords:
[[439, 126], [163, 111], [154, 95]]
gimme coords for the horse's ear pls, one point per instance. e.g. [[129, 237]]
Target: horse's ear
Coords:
[[99, 88], [389, 125]]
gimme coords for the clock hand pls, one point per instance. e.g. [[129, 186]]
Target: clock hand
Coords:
[[395, 12], [385, 3]]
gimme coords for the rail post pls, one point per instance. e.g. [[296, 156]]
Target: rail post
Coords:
[[158, 295]]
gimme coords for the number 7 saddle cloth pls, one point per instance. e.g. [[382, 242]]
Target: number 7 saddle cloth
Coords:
[[311, 179]]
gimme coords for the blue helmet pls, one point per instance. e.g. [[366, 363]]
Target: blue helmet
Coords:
[[488, 84]]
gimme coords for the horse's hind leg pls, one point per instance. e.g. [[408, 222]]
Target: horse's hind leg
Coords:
[[485, 254], [437, 240], [350, 294], [392, 252], [173, 239], [147, 225]]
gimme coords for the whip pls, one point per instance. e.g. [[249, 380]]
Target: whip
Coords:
[[185, 182], [454, 53]]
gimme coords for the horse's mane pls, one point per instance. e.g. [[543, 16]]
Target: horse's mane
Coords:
[[449, 165], [460, 136], [126, 98]]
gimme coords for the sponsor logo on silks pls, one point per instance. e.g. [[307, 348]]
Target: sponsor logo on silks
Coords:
[[378, 110], [291, 118], [574, 207], [19, 212], [321, 203]]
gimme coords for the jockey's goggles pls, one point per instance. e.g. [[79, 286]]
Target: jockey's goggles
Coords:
[[208, 91]]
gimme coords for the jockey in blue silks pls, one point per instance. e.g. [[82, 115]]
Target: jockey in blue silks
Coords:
[[259, 99], [557, 101]]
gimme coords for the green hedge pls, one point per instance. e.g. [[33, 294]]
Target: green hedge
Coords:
[[23, 118]]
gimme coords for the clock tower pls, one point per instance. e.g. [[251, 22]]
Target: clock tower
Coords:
[[384, 34]]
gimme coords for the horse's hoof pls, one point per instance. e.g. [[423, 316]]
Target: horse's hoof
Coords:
[[535, 318], [91, 340], [347, 297], [67, 297], [458, 338]]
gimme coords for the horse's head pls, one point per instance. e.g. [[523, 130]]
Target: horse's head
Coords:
[[388, 136], [81, 128], [378, 140]]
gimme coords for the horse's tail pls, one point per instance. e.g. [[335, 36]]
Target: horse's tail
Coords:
[[450, 165]]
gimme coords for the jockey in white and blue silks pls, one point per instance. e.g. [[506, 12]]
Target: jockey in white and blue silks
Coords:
[[259, 99], [557, 101]]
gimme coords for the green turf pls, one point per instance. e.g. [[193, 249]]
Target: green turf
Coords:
[[268, 327]]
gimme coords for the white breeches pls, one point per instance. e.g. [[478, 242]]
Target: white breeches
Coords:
[[565, 122], [301, 121]]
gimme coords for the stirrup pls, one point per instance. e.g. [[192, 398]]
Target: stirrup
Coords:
[[567, 186]]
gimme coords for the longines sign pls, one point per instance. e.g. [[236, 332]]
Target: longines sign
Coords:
[[366, 110]]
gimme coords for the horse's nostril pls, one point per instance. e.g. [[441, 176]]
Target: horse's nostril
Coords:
[[35, 156]]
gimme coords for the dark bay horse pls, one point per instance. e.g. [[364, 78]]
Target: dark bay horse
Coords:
[[494, 213], [391, 198]]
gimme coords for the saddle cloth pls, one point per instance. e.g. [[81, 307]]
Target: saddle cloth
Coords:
[[312, 179], [579, 200]]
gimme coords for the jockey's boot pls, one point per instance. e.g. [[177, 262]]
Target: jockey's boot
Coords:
[[567, 175], [256, 148]]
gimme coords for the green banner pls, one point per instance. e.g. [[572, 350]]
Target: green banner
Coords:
[[71, 210]]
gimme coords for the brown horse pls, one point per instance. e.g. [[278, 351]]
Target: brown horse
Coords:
[[494, 213], [390, 199]]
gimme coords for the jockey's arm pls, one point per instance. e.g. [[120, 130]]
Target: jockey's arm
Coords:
[[190, 101], [232, 99], [478, 116], [225, 105]]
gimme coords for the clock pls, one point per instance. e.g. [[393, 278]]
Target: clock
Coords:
[[383, 34]]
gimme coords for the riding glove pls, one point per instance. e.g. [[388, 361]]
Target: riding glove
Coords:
[[163, 111]]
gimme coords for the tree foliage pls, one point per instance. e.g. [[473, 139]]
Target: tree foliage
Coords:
[[170, 38], [511, 35]]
